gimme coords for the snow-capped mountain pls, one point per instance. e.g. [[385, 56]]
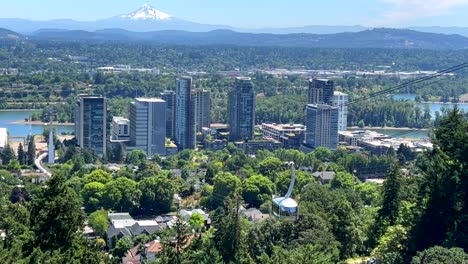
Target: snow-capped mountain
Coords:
[[147, 12]]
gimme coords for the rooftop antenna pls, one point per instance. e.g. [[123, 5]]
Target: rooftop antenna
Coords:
[[286, 208]]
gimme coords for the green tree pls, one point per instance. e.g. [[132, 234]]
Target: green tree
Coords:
[[136, 157], [99, 222], [224, 185], [121, 247], [56, 216], [437, 254], [157, 195], [122, 195], [392, 242], [322, 154], [21, 154], [197, 222], [270, 166], [229, 236], [257, 189], [31, 153], [92, 196], [97, 176], [7, 154], [343, 180]]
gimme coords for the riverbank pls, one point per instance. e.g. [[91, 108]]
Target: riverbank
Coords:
[[39, 123], [443, 103], [20, 110], [389, 128]]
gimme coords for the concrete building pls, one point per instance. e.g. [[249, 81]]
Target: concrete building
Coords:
[[290, 135], [320, 91], [202, 109], [3, 138], [185, 131], [169, 97], [92, 128], [251, 147], [120, 128], [241, 110], [340, 100], [148, 125], [322, 126], [277, 131]]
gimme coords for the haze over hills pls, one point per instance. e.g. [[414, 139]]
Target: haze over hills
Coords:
[[147, 19], [375, 38]]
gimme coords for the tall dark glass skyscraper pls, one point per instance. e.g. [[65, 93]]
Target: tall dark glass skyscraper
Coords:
[[169, 97], [91, 123], [241, 110], [185, 135], [320, 91]]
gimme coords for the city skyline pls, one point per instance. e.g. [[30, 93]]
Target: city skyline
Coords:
[[260, 14]]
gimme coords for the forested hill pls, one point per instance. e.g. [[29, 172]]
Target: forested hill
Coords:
[[5, 34], [376, 38]]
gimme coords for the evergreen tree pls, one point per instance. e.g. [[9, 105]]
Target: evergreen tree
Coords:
[[56, 216], [31, 153], [229, 236], [391, 197], [444, 219], [7, 155], [21, 154]]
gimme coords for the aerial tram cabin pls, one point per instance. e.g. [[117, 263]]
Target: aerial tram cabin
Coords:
[[286, 208]]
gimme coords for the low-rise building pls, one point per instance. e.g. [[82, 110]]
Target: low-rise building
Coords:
[[120, 128], [254, 215], [290, 135], [123, 225], [324, 177], [251, 147]]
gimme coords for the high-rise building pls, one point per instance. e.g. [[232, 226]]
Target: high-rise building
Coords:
[[148, 125], [340, 100], [241, 110], [169, 97], [321, 126], [202, 109], [185, 135], [91, 123], [320, 91]]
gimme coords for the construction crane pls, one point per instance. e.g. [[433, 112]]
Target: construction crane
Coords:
[[286, 208]]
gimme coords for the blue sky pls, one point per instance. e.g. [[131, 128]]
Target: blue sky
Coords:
[[257, 13]]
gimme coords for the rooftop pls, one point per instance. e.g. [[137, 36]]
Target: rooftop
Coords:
[[285, 127], [150, 100], [336, 93], [120, 120]]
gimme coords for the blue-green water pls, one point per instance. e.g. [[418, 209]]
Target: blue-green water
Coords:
[[17, 130], [432, 106]]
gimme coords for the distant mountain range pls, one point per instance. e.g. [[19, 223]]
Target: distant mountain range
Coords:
[[148, 19], [148, 24], [375, 38]]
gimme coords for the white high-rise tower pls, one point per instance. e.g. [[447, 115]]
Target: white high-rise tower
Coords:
[[51, 146]]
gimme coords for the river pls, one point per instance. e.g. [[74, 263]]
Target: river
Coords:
[[23, 130], [432, 106]]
